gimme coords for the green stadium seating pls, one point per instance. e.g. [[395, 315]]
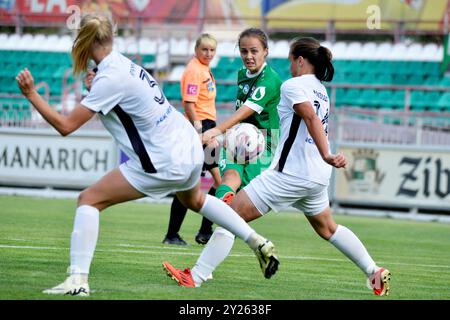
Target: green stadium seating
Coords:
[[51, 67], [340, 97], [383, 99], [226, 92], [384, 79], [444, 103], [230, 63], [172, 91], [445, 82], [350, 96]]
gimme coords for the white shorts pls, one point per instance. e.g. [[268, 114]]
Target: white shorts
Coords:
[[277, 191], [179, 177]]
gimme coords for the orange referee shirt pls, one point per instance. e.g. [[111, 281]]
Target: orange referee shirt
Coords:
[[198, 86]]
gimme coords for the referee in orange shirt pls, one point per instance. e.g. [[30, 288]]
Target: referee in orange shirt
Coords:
[[198, 91]]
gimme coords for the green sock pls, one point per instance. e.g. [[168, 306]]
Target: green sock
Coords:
[[222, 190]]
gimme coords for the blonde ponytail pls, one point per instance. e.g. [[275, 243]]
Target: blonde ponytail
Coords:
[[93, 29]]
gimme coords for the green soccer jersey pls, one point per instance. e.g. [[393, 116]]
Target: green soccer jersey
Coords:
[[261, 92]]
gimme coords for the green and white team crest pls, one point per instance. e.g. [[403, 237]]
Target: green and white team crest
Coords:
[[259, 93]]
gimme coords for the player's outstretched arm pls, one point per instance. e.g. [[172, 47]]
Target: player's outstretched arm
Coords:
[[63, 124], [241, 114]]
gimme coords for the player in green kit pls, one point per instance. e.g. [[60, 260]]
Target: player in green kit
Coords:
[[258, 95]]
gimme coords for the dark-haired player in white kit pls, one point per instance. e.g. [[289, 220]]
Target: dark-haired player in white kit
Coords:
[[165, 151], [300, 171]]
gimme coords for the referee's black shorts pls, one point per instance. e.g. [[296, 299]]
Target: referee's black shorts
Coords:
[[211, 154]]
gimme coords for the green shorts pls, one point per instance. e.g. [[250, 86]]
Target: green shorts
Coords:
[[246, 171]]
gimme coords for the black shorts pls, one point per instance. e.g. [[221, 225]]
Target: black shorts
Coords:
[[211, 154]]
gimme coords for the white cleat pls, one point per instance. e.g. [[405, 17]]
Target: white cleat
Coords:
[[268, 261], [380, 282], [74, 285]]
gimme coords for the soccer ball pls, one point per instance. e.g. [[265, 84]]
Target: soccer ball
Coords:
[[244, 143]]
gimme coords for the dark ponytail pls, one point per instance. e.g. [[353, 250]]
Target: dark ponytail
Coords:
[[320, 57]]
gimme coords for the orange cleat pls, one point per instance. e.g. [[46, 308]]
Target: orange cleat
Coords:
[[183, 278]]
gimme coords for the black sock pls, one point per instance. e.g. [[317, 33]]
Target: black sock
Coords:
[[177, 214], [206, 226]]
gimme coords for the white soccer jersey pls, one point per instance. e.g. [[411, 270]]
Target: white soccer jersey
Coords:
[[297, 153], [136, 113]]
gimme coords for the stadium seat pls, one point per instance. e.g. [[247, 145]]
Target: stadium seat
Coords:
[[444, 103], [418, 101], [229, 63], [367, 51], [228, 49], [225, 75], [3, 39], [414, 52], [280, 50], [350, 97], [398, 52], [432, 80], [384, 79], [367, 98], [180, 47], [339, 50], [354, 50], [398, 101], [176, 73], [382, 51], [226, 93], [51, 44], [432, 52], [65, 43], [339, 97], [119, 44], [383, 98], [147, 46], [172, 91], [445, 82], [432, 68], [11, 42]]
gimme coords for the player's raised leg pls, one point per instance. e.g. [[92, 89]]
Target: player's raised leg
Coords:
[[220, 244], [352, 247]]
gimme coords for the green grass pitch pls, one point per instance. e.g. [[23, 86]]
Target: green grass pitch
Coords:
[[35, 240]]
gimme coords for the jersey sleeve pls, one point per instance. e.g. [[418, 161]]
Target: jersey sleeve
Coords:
[[293, 94], [190, 86], [105, 94]]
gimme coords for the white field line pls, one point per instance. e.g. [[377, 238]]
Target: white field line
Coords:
[[176, 251]]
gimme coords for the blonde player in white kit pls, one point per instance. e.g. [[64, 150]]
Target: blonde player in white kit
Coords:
[[300, 171], [165, 151]]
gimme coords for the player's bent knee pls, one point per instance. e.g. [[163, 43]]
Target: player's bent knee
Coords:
[[232, 178], [195, 202], [87, 198], [325, 232], [84, 198]]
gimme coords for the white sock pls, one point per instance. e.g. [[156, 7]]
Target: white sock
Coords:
[[215, 251], [220, 213], [83, 239], [349, 244]]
